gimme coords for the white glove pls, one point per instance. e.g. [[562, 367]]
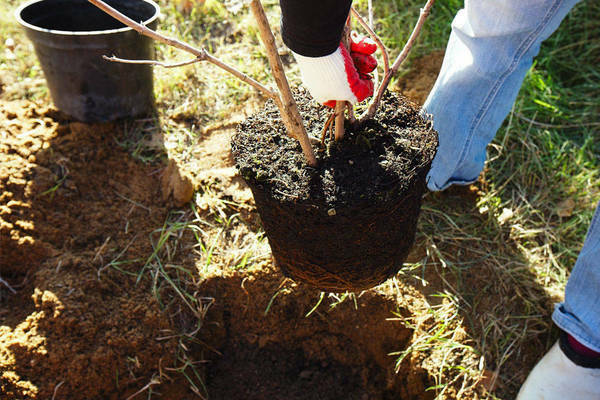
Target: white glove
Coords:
[[340, 76]]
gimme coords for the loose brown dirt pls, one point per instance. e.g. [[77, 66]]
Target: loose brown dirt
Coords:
[[269, 347], [72, 202], [418, 81]]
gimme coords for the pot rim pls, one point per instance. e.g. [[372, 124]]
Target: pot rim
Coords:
[[27, 25]]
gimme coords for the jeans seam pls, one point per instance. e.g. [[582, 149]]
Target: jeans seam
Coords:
[[522, 49]]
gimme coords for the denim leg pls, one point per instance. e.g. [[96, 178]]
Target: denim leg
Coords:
[[579, 314], [490, 50]]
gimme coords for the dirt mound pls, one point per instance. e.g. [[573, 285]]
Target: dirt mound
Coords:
[[74, 208]]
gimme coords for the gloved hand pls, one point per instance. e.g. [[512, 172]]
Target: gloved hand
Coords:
[[342, 75]]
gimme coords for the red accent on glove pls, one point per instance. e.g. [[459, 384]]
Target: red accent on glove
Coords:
[[358, 63], [362, 44], [364, 63]]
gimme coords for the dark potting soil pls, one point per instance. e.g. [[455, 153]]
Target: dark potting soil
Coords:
[[349, 223], [386, 152]]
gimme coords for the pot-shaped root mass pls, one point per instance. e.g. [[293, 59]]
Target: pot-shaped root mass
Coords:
[[349, 223]]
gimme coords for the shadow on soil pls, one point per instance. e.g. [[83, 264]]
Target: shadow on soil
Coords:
[[270, 338], [277, 341], [505, 310]]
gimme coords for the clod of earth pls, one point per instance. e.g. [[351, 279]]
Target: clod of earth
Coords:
[[349, 223]]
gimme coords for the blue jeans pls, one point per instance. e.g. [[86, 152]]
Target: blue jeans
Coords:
[[490, 50]]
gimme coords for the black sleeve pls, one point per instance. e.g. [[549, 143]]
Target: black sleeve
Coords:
[[313, 28]]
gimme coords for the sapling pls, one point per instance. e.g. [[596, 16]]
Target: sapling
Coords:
[[336, 234], [282, 96]]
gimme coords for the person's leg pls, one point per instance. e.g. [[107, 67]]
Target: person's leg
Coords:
[[491, 47], [579, 314], [571, 368]]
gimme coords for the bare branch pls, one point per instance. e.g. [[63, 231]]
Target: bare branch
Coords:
[[371, 25], [376, 39], [403, 54], [340, 106], [413, 36], [152, 62], [144, 30], [287, 105], [199, 53]]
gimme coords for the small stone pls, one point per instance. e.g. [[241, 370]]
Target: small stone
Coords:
[[9, 44]]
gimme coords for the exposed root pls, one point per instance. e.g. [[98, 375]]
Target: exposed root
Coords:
[[327, 127]]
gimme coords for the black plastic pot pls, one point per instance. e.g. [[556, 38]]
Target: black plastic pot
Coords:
[[71, 36]]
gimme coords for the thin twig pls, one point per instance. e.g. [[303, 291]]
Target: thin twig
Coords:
[[152, 62], [287, 105], [135, 203], [153, 381], [56, 389], [201, 54], [100, 251], [13, 291], [372, 26], [376, 39], [328, 123], [396, 65]]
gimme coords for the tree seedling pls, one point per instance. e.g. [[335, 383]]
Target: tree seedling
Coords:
[[282, 96]]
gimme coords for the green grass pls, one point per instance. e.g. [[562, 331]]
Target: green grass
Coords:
[[20, 74]]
